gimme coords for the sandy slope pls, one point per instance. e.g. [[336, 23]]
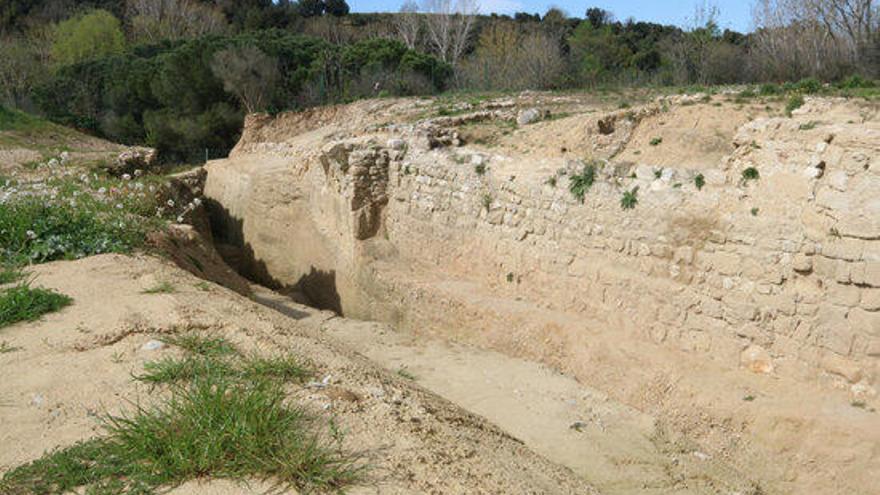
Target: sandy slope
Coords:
[[77, 363]]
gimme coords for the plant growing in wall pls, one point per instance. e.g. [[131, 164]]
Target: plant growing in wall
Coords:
[[579, 184], [630, 199], [487, 201], [750, 173]]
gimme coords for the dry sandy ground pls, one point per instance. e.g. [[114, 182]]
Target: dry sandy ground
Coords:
[[77, 363]]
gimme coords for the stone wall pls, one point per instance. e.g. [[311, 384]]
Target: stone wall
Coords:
[[785, 267]]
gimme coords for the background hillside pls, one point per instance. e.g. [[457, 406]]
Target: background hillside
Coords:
[[179, 75]]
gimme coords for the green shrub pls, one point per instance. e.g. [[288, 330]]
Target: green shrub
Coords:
[[809, 85], [751, 173], [769, 90], [793, 104], [699, 181], [656, 141], [26, 303], [579, 184], [856, 82]]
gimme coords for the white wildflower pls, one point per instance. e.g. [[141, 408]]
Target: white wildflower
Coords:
[[31, 234], [170, 203]]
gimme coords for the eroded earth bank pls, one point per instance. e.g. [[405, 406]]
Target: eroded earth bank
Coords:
[[707, 268]]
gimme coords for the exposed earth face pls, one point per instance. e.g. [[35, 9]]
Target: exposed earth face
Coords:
[[533, 294]]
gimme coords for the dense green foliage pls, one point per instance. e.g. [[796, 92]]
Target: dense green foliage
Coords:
[[168, 97], [91, 35], [26, 303]]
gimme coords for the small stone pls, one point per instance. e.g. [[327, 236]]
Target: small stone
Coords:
[[38, 400], [756, 359], [153, 345], [396, 144], [529, 116]]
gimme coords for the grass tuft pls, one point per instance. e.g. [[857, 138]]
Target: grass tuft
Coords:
[[699, 181], [26, 303], [10, 274], [579, 184], [214, 427]]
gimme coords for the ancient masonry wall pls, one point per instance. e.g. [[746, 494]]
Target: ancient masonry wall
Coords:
[[789, 262]]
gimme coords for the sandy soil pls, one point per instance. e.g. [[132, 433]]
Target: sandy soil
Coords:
[[76, 364]]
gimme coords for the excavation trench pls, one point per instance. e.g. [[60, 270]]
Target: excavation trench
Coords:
[[614, 447], [688, 344]]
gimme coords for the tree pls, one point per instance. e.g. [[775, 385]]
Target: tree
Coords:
[[449, 27], [407, 24], [336, 8], [248, 73], [21, 68], [599, 17], [311, 8], [91, 35], [157, 20]]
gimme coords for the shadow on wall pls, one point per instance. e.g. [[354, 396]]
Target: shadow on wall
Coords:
[[316, 288]]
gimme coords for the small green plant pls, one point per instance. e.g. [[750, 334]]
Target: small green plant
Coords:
[[699, 181], [26, 303], [480, 169], [859, 404], [808, 126], [750, 173], [164, 287], [510, 277], [202, 286], [755, 211], [658, 173], [117, 357], [749, 398], [630, 199], [551, 181], [793, 104], [5, 348], [656, 141], [579, 184], [405, 373], [487, 201]]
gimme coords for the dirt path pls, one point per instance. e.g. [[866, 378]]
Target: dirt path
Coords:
[[614, 447]]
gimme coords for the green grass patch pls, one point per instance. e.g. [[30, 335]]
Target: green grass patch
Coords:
[[26, 303], [213, 427], [68, 218], [13, 120], [227, 416], [10, 274]]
